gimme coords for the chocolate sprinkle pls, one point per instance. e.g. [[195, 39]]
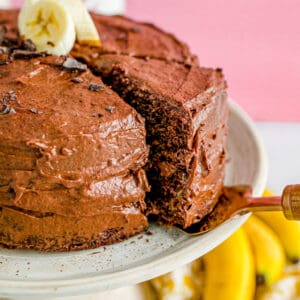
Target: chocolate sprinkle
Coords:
[[110, 109], [7, 110], [77, 80], [95, 87], [72, 65]]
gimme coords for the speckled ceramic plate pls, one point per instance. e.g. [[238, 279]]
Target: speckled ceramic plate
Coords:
[[36, 274]]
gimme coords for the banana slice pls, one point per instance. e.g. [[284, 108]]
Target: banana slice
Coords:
[[48, 24], [85, 27]]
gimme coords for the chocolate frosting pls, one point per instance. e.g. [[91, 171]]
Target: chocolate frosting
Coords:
[[68, 154]]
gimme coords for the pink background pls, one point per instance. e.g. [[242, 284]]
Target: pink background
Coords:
[[256, 42]]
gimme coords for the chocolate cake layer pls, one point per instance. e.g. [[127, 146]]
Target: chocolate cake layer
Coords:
[[72, 152], [50, 232], [186, 111]]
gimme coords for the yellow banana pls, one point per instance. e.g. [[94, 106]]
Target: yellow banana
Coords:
[[269, 255], [229, 270], [287, 231]]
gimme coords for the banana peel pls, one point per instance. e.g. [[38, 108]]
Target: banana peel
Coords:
[[287, 231], [269, 255], [229, 270]]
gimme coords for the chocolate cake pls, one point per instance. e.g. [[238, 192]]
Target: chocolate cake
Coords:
[[96, 192]]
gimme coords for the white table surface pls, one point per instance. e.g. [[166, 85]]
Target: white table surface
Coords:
[[282, 141]]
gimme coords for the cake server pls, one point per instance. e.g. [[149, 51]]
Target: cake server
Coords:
[[237, 200]]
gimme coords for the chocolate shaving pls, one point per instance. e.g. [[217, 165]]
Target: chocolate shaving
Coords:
[[8, 97], [110, 109], [77, 80], [35, 111], [12, 43], [4, 50], [7, 110], [26, 54], [95, 87], [28, 45], [72, 65]]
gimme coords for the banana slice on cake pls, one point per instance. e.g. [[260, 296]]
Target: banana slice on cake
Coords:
[[48, 24], [86, 30], [53, 25]]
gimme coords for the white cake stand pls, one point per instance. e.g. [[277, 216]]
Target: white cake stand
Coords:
[[36, 275]]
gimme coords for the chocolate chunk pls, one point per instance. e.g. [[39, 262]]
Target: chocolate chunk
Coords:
[[26, 54], [28, 45], [77, 80], [110, 109], [7, 110], [95, 87], [9, 96], [35, 111], [4, 50], [73, 65]]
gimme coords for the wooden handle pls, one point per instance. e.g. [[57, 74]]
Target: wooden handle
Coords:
[[291, 202]]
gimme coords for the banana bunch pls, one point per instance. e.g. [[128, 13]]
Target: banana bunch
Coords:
[[257, 262], [287, 231], [54, 25]]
